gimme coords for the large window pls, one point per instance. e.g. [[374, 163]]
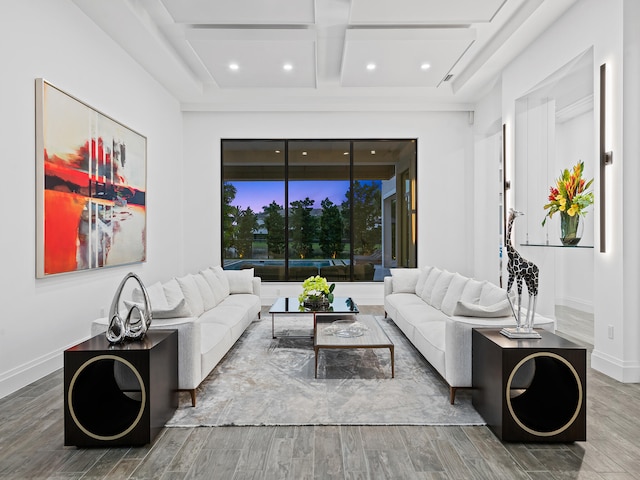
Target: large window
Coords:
[[343, 209]]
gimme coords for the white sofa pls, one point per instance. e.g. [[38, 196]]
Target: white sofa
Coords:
[[210, 310], [437, 310]]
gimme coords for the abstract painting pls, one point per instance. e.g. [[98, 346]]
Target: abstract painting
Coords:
[[91, 186]]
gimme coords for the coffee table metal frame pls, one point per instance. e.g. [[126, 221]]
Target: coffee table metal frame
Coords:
[[374, 337], [292, 306]]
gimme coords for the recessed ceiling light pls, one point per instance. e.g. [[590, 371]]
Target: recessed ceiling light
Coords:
[[277, 151], [304, 153], [234, 66], [287, 67], [425, 66], [373, 152], [371, 66], [346, 153]]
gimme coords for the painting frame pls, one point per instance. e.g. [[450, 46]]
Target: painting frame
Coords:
[[91, 187]]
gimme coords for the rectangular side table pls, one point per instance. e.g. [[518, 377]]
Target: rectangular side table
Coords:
[[530, 390], [122, 394]]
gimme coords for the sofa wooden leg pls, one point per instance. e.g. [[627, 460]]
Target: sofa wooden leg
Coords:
[[385, 314], [452, 395], [192, 392]]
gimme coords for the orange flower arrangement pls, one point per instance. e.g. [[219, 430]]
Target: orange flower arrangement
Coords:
[[570, 194]]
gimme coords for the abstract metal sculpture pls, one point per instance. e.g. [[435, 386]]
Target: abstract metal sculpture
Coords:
[[520, 270], [137, 321]]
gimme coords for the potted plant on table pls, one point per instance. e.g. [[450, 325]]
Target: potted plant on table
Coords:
[[316, 293], [569, 197]]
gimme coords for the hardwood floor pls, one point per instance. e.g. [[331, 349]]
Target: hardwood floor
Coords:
[[31, 446]]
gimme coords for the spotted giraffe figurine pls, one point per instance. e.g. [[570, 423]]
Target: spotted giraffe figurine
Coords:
[[520, 270]]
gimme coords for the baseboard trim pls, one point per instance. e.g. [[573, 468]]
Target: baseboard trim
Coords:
[[625, 372], [19, 377]]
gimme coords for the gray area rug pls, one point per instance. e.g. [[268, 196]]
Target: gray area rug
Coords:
[[266, 381]]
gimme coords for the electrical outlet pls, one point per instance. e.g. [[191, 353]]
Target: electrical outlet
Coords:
[[610, 332]]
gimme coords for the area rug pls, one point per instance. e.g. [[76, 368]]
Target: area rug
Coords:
[[266, 381]]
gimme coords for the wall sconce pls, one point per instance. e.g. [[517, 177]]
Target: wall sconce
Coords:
[[606, 157]]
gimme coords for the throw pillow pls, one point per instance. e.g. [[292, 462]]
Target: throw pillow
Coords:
[[191, 294], [454, 292], [178, 310], [404, 279], [208, 298], [220, 273], [174, 294], [471, 292], [156, 294], [500, 309], [491, 294], [424, 273], [440, 289], [240, 281], [434, 274], [214, 283]]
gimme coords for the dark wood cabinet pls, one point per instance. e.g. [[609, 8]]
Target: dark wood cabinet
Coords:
[[530, 390], [123, 394]]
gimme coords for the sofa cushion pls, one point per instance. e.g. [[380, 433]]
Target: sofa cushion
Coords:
[[208, 297], [214, 283], [220, 273], [179, 310], [499, 309], [404, 279], [454, 293], [422, 278], [191, 294], [472, 291], [491, 294], [240, 281], [440, 289], [429, 285]]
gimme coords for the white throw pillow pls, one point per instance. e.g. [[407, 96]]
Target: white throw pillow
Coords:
[[179, 310], [491, 294], [191, 293], [157, 298], [240, 281], [500, 309], [424, 273], [404, 279], [208, 298], [430, 284], [223, 281], [454, 292], [440, 289], [214, 284], [173, 292], [471, 292]]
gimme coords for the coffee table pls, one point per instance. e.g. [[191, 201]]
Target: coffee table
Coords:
[[291, 306], [373, 337]]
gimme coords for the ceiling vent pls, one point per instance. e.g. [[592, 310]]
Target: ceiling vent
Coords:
[[448, 77]]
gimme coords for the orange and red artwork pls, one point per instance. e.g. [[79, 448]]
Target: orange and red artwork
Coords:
[[91, 174]]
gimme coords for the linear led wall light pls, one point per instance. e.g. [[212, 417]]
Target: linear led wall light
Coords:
[[606, 158]]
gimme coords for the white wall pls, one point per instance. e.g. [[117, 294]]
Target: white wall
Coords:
[[597, 24], [54, 40], [445, 179]]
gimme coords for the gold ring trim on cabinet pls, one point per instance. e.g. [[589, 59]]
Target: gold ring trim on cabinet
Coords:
[[578, 383], [142, 403]]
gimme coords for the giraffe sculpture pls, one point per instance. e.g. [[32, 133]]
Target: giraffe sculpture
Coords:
[[520, 270]]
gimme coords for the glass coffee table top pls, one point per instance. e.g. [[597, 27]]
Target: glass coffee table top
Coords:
[[284, 305]]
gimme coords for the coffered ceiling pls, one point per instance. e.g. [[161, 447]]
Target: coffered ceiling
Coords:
[[324, 54]]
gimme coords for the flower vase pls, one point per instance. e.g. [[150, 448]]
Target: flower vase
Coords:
[[570, 229], [316, 303]]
